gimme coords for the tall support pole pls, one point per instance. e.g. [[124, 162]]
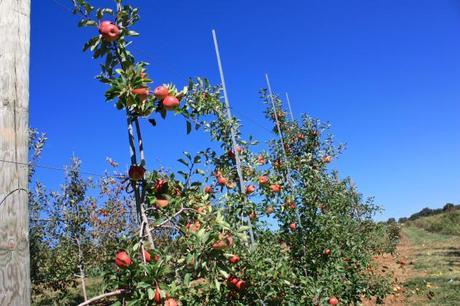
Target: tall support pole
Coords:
[[14, 134], [232, 130], [289, 105], [280, 134]]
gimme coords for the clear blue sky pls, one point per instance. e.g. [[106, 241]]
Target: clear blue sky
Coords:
[[386, 74]]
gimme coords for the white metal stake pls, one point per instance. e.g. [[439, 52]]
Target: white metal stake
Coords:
[[288, 177], [232, 130], [289, 105]]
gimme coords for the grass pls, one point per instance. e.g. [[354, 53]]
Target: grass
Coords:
[[447, 223], [435, 279], [73, 297]]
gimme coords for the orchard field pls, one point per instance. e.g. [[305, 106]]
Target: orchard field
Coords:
[[230, 225]]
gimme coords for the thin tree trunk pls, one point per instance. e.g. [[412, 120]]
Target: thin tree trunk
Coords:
[[82, 269], [14, 126]]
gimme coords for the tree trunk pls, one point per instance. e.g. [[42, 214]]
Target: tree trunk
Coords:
[[14, 121], [81, 269]]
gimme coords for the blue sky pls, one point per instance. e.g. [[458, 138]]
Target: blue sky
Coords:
[[386, 74]]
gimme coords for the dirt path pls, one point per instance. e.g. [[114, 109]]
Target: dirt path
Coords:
[[399, 268]]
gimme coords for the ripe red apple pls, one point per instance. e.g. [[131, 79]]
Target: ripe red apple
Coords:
[[142, 93], [300, 137], [250, 189], [160, 185], [263, 180], [241, 284], [222, 181], [109, 31], [208, 189], [333, 301], [157, 296], [156, 258], [170, 302], [136, 173], [269, 210], [252, 215], [234, 259], [224, 242], [326, 159], [327, 252], [261, 159], [122, 259], [161, 202], [170, 102], [239, 150], [293, 226], [230, 154], [147, 256], [161, 92], [275, 188], [193, 227]]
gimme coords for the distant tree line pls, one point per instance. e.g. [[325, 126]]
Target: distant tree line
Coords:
[[425, 212]]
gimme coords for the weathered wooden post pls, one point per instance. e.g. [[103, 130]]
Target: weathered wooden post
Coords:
[[14, 126]]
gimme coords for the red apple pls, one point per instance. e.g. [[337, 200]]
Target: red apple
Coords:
[[252, 215], [230, 154], [208, 189], [170, 302], [293, 226], [241, 284], [136, 173], [222, 181], [157, 296], [275, 188], [170, 102], [333, 301], [326, 159], [122, 259], [234, 259], [261, 159], [239, 150], [250, 189], [327, 252], [156, 258], [161, 203], [109, 31], [161, 92], [147, 256], [142, 93], [160, 185], [263, 180], [269, 210]]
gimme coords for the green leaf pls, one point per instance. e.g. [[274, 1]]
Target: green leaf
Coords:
[[189, 127], [151, 293]]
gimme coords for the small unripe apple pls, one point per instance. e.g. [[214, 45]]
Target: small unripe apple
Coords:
[[250, 189], [109, 31], [170, 102], [263, 180], [161, 92], [234, 259], [136, 173], [122, 259], [333, 301]]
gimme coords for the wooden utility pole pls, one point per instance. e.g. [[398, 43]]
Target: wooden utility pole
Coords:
[[14, 130]]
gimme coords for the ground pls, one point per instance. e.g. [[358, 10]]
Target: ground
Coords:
[[425, 269]]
